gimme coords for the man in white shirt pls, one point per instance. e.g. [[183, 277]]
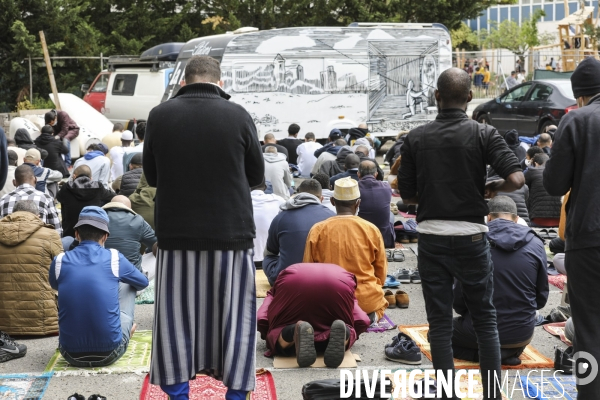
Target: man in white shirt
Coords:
[[140, 131], [521, 77], [306, 154], [12, 166], [116, 154], [266, 208]]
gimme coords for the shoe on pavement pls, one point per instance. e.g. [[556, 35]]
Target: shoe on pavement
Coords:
[[389, 255], [96, 397], [512, 361], [398, 255], [76, 396], [563, 360], [391, 282], [403, 276], [397, 339], [9, 349], [415, 277], [336, 347], [405, 240], [405, 352], [402, 299], [304, 340], [391, 298]]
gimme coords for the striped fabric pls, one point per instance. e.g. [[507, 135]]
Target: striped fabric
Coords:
[[204, 317]]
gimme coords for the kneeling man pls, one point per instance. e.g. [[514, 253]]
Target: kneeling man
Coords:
[[96, 295]]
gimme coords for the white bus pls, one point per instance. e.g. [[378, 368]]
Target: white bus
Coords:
[[322, 78]]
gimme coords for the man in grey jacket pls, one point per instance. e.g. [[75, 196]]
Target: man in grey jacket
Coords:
[[277, 172], [127, 230]]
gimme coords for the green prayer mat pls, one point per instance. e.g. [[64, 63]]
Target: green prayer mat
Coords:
[[147, 295], [135, 360]]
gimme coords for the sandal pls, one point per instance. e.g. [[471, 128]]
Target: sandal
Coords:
[[389, 255], [394, 208], [398, 255], [391, 282]]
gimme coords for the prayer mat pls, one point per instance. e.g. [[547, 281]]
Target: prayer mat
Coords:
[[464, 384], [147, 295], [558, 329], [281, 362], [207, 388], [407, 215], [549, 386], [399, 246], [135, 360], [262, 284], [23, 386], [531, 358], [558, 280], [384, 324]]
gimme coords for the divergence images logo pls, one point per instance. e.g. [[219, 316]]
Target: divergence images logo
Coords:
[[585, 367]]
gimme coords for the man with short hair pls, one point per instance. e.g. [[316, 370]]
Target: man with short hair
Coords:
[[291, 143], [116, 154], [55, 148], [350, 169], [96, 295], [544, 142], [289, 229], [44, 176], [269, 140], [127, 183], [10, 176], [266, 208], [363, 153], [510, 82], [334, 135], [574, 166], [128, 230], [114, 138], [450, 189], [529, 154], [99, 164], [81, 192], [326, 191], [520, 286], [329, 153], [64, 127], [306, 156], [24, 183], [204, 271], [375, 202], [355, 245], [12, 145], [277, 171]]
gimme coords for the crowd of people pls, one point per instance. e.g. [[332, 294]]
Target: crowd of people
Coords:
[[324, 244]]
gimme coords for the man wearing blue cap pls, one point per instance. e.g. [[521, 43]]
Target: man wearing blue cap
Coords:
[[96, 295]]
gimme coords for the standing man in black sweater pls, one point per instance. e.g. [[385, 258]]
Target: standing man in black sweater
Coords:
[[450, 189], [291, 143], [205, 318], [575, 166]]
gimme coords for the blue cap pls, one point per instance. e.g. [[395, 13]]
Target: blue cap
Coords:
[[335, 132], [94, 216]]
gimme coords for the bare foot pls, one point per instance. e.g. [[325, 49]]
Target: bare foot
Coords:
[[133, 329]]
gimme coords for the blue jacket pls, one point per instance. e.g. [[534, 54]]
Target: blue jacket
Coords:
[[287, 237], [352, 173], [87, 279], [520, 280], [375, 199]]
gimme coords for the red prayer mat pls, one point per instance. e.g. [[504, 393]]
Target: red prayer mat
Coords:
[[558, 280], [207, 388]]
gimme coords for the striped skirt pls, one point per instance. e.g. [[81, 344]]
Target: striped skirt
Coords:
[[204, 318]]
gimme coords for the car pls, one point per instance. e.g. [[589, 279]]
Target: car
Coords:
[[529, 107]]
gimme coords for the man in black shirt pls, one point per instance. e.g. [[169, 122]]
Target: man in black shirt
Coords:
[[270, 141], [291, 143], [443, 170]]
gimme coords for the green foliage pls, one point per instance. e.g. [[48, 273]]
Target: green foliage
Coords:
[[464, 38], [518, 39], [111, 27]]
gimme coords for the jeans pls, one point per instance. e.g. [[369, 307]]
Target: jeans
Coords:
[[126, 306], [67, 143], [441, 259]]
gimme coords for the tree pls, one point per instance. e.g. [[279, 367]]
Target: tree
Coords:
[[518, 39], [464, 38]]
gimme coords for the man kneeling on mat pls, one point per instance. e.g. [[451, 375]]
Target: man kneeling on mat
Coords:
[[520, 286], [312, 308], [96, 295]]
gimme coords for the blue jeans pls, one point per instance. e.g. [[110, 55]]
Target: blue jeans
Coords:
[[67, 143], [442, 259], [127, 306]]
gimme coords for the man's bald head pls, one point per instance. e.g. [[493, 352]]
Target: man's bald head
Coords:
[[24, 174], [367, 168], [362, 149], [122, 199], [363, 126], [269, 138], [82, 170], [453, 89]]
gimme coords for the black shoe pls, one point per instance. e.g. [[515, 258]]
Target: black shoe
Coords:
[[511, 361], [406, 352], [415, 277], [336, 348], [403, 276], [563, 360], [96, 397], [76, 397], [304, 341], [9, 349], [397, 339]]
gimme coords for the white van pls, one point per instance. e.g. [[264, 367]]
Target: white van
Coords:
[[322, 78], [132, 86]]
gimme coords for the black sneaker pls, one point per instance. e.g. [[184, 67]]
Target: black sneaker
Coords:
[[405, 352], [415, 277], [403, 276], [336, 348], [563, 360], [397, 339], [9, 349], [76, 396], [96, 397], [304, 341]]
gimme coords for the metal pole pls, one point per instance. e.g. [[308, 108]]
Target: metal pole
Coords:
[[50, 72], [30, 81], [101, 62]]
